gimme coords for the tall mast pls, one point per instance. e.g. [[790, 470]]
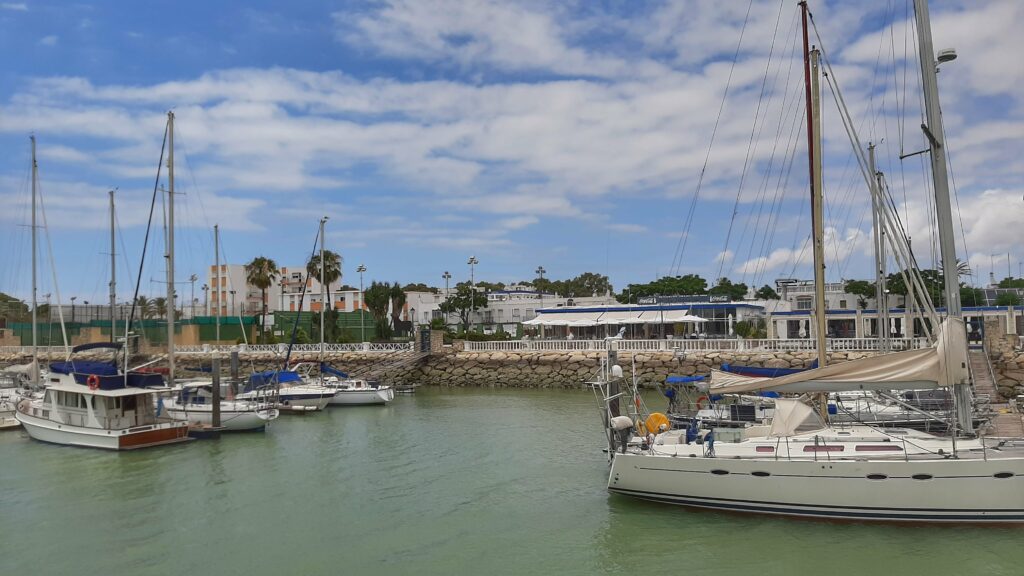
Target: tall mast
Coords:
[[940, 183], [881, 302], [35, 288], [813, 94], [170, 248], [216, 278], [323, 294], [113, 273]]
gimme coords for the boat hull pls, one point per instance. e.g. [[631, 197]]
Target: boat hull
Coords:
[[935, 490], [362, 397], [125, 439], [230, 420]]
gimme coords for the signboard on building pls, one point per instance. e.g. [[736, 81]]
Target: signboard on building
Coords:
[[691, 299]]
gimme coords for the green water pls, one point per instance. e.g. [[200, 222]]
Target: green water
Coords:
[[443, 482]]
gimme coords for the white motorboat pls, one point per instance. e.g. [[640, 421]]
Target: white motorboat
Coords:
[[192, 402], [93, 404]]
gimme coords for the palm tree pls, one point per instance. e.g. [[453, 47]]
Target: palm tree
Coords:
[[397, 296], [377, 298], [332, 270], [145, 307], [261, 273], [159, 307]]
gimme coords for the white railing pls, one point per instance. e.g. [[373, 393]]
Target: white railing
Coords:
[[712, 345], [368, 347]]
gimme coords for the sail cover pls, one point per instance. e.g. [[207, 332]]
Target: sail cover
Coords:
[[941, 365]]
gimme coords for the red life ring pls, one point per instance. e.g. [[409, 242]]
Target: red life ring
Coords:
[[702, 399], [93, 381]]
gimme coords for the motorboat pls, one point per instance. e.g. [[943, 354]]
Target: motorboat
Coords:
[[94, 404], [192, 402]]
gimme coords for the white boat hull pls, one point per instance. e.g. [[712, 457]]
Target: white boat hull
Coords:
[[944, 490], [362, 397], [231, 420], [46, 430]]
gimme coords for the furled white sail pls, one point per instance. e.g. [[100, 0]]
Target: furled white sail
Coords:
[[941, 365]]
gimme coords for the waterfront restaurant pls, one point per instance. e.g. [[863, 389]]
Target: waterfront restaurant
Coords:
[[700, 319]]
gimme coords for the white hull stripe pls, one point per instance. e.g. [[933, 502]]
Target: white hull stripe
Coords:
[[853, 512]]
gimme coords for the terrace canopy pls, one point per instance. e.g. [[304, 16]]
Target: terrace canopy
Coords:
[[612, 317]]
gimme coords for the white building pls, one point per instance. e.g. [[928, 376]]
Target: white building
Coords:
[[231, 295]]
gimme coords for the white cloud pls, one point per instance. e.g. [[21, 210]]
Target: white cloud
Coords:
[[16, 6], [627, 228], [50, 40]]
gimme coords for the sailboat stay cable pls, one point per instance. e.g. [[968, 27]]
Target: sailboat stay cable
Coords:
[[684, 235], [298, 313], [145, 241], [53, 271], [752, 143]]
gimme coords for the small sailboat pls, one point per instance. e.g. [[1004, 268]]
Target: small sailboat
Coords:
[[192, 402], [353, 391]]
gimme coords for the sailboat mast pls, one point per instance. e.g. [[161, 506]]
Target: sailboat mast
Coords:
[[813, 97], [940, 184], [323, 292], [216, 279], [881, 302], [113, 273], [940, 178], [35, 288], [170, 248]]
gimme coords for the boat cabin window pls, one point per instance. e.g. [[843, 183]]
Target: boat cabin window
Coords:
[[130, 402], [878, 448], [765, 449]]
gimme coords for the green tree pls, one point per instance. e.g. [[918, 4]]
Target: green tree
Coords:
[[12, 309], [1007, 299], [462, 302], [1011, 283], [261, 273], [688, 285], [862, 289], [420, 287], [377, 299], [144, 306], [332, 270], [397, 296], [766, 292], [725, 287], [972, 296]]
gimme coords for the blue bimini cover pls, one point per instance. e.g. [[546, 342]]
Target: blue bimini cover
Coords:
[[84, 367], [260, 379]]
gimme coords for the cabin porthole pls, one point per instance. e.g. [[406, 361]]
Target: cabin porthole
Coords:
[[1003, 475], [719, 472], [922, 476], [761, 474], [876, 477]]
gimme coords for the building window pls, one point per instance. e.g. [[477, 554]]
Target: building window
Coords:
[[842, 304], [515, 313], [804, 302], [529, 313]]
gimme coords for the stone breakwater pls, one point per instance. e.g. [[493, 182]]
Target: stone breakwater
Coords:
[[454, 368], [571, 369]]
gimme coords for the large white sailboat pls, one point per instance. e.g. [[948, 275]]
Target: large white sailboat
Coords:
[[192, 402], [799, 464]]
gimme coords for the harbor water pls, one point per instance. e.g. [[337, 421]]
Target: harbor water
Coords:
[[442, 482]]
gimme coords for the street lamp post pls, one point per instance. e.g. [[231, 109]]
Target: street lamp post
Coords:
[[362, 305], [540, 273], [206, 299], [472, 285], [447, 276], [192, 280], [73, 298]]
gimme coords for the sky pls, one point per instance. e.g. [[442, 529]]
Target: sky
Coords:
[[633, 139]]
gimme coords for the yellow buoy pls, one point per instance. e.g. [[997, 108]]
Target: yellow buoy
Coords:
[[657, 422]]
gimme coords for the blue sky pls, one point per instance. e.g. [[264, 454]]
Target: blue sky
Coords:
[[564, 134]]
